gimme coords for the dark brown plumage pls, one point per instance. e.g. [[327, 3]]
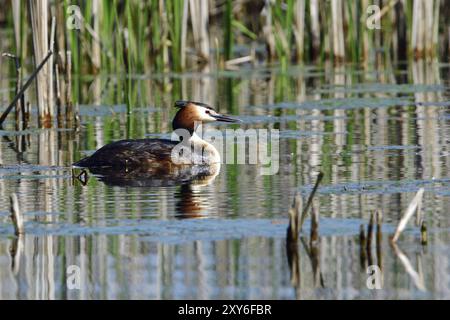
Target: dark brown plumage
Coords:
[[131, 153]]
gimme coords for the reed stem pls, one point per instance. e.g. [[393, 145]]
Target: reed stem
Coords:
[[16, 215], [309, 202]]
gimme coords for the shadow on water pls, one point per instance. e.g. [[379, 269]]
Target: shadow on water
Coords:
[[378, 135]]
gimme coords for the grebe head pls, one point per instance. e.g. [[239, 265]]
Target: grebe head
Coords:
[[192, 112]]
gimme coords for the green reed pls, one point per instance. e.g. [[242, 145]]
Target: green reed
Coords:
[[228, 32], [132, 37], [282, 26], [160, 36], [175, 10]]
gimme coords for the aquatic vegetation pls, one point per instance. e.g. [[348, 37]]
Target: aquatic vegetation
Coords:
[[134, 37]]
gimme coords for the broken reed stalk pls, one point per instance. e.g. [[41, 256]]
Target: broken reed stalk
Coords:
[[379, 239], [25, 87], [311, 196], [369, 240], [370, 233], [423, 234], [294, 214], [419, 217], [413, 206], [292, 240], [314, 235], [379, 219], [362, 246], [16, 215]]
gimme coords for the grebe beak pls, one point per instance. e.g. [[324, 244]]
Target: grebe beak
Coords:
[[225, 118]]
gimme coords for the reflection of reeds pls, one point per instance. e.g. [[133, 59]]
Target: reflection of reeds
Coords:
[[336, 251], [16, 215], [370, 233], [362, 247], [365, 242], [379, 239], [16, 251], [417, 277], [294, 215], [314, 232], [293, 256], [295, 224]]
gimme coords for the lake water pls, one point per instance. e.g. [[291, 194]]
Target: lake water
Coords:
[[377, 135]]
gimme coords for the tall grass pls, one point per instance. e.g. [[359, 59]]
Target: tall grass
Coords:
[[228, 32], [175, 34], [175, 17], [130, 36]]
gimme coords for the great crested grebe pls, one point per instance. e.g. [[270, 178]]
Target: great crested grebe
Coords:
[[155, 156]]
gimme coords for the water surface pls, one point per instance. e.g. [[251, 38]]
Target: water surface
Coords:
[[378, 136]]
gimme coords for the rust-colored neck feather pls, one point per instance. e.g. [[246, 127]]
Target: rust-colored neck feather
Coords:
[[185, 118]]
